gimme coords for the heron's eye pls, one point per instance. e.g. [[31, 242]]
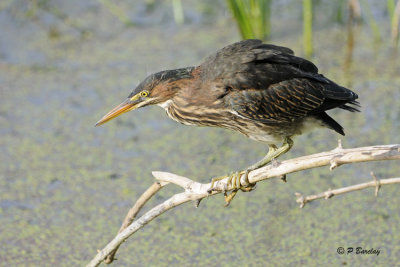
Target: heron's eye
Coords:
[[144, 93]]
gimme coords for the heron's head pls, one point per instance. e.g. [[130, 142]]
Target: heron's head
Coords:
[[155, 89]]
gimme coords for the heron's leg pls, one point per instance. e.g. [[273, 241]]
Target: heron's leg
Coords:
[[273, 153], [265, 160], [234, 178], [238, 174], [286, 146]]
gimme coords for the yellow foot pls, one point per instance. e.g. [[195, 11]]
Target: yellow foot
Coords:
[[229, 198], [234, 182]]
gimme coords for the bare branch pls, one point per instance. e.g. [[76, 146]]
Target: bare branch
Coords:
[[339, 155], [172, 202], [181, 181], [149, 193], [195, 191], [330, 193]]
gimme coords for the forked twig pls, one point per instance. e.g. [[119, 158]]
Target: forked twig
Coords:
[[195, 191], [303, 200]]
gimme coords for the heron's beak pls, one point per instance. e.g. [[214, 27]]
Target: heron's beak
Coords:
[[122, 108]]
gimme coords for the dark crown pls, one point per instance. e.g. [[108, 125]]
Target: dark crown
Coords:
[[166, 75]]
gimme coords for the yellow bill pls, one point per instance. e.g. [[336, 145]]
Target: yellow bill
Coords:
[[122, 108]]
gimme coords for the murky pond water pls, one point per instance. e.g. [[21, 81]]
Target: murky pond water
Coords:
[[65, 185]]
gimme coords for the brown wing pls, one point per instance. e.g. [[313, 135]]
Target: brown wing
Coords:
[[252, 64], [268, 83], [281, 103]]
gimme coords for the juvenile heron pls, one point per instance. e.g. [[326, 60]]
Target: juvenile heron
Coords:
[[260, 90]]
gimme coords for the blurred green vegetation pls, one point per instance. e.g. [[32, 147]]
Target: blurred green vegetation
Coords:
[[307, 28], [394, 12], [117, 11], [252, 17], [178, 12]]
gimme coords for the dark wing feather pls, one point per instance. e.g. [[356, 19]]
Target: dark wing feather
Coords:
[[268, 83], [280, 103], [252, 64], [289, 100]]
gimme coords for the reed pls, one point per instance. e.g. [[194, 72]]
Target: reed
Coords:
[[307, 28], [395, 19], [390, 8], [252, 17], [372, 21], [178, 12]]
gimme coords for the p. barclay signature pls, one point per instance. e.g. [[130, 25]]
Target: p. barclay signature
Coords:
[[360, 250]]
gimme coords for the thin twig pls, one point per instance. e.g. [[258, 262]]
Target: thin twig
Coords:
[[377, 184], [195, 191], [172, 202], [149, 193], [303, 200]]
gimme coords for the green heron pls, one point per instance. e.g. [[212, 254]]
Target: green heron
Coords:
[[260, 90]]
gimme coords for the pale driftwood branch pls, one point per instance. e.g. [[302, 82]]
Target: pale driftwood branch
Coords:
[[333, 158], [303, 200], [142, 200], [195, 191]]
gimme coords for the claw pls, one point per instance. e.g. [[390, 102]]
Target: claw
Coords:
[[234, 182], [229, 198], [213, 182], [247, 189]]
